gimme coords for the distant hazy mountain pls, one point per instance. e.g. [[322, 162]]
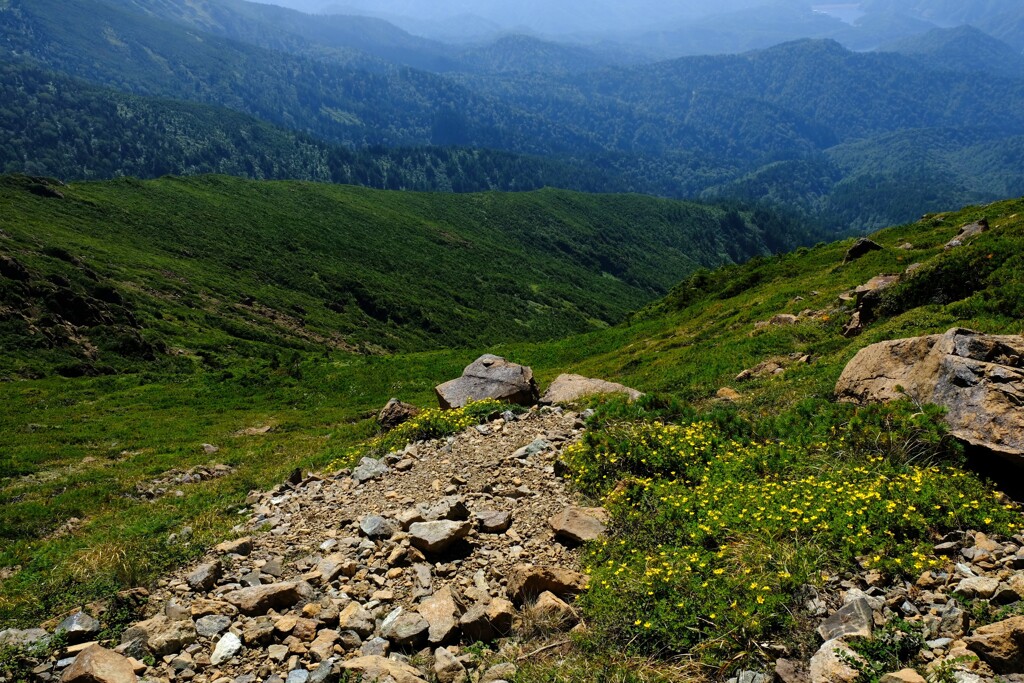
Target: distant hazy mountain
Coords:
[[964, 49]]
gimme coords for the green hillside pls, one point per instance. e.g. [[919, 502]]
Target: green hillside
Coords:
[[76, 448], [217, 266]]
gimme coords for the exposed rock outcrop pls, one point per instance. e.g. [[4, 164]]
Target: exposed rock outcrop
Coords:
[[394, 413], [861, 247], [978, 378], [489, 376]]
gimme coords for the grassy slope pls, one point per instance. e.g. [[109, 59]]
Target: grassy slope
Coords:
[[355, 268], [695, 341]]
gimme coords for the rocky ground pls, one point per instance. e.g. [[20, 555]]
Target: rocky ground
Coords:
[[396, 570], [384, 570]]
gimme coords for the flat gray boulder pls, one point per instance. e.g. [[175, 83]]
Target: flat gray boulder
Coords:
[[436, 537], [571, 388], [978, 378], [489, 376]]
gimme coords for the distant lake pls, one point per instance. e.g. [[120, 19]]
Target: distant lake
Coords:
[[844, 11]]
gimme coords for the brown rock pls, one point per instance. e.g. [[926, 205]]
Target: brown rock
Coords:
[[241, 546], [550, 608], [791, 671], [442, 614], [1000, 645], [323, 646], [526, 582], [261, 599], [853, 620], [396, 413], [580, 525], [489, 376], [485, 622], [967, 233], [375, 668], [978, 378], [202, 607], [162, 636], [494, 521], [728, 394], [355, 618], [571, 388], [829, 664], [99, 665], [903, 676]]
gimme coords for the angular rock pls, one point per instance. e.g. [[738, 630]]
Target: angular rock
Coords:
[[322, 646], [499, 672], [442, 614], [23, 638], [375, 647], [861, 247], [494, 521], [978, 587], [96, 664], [227, 647], [1000, 645], [485, 622], [551, 608], [203, 607], [355, 618], [211, 625], [978, 378], [829, 664], [447, 669], [374, 668], [571, 388], [580, 525], [791, 671], [241, 546], [452, 508], [489, 376], [258, 632], [79, 628], [162, 636], [395, 413], [205, 576], [375, 527], [333, 566], [527, 582], [968, 232], [435, 537], [259, 600], [853, 620], [369, 468], [404, 629]]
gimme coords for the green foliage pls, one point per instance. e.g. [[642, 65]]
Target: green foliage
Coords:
[[713, 536], [236, 268], [892, 648]]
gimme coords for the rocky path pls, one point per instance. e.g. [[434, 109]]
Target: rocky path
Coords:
[[383, 571]]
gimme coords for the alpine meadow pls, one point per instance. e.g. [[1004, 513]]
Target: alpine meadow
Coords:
[[571, 342]]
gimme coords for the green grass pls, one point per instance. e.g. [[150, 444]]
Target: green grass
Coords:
[[76, 447]]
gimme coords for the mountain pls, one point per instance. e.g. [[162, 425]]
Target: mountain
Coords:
[[219, 265], [525, 54], [65, 128], [964, 49]]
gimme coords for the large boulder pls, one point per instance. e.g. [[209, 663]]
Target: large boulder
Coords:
[[1000, 645], [979, 378], [860, 248], [489, 376], [571, 388]]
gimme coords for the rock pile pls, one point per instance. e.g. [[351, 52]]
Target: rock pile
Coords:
[[386, 571], [985, 576]]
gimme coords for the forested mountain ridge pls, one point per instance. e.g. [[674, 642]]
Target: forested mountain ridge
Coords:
[[65, 128], [692, 127]]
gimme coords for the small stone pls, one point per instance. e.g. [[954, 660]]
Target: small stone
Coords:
[[526, 582], [728, 394], [494, 521], [447, 668], [162, 636], [205, 576], [375, 527], [854, 619], [211, 625], [355, 618], [435, 537], [498, 672], [241, 546], [79, 627], [485, 622], [227, 647], [258, 631], [830, 664], [261, 599], [442, 614], [404, 629], [368, 469], [375, 647], [580, 525], [978, 587]]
